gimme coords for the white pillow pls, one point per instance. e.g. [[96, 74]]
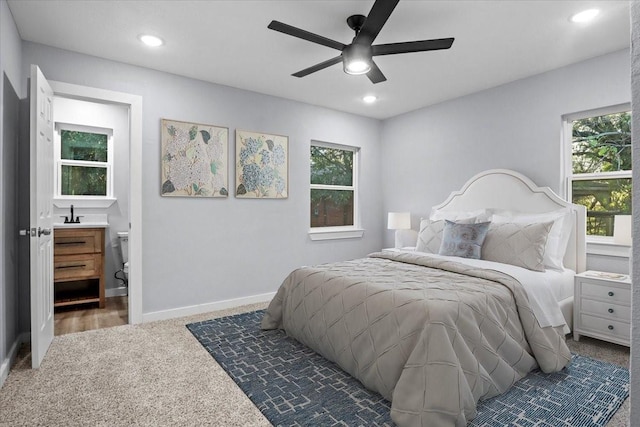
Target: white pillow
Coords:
[[558, 236], [480, 215]]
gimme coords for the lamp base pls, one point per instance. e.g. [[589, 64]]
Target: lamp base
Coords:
[[406, 238], [398, 235]]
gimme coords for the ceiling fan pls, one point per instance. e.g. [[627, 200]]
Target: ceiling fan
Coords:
[[357, 57]]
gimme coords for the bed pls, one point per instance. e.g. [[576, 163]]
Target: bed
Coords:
[[435, 333]]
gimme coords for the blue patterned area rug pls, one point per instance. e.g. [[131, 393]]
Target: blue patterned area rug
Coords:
[[293, 386]]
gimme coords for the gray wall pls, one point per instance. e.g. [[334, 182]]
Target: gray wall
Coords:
[[429, 152], [635, 305], [205, 250], [10, 62]]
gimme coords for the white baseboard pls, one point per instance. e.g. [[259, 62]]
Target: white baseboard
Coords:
[[5, 367], [205, 308], [116, 292]]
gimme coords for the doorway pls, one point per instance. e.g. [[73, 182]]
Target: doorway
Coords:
[[90, 214], [121, 301]]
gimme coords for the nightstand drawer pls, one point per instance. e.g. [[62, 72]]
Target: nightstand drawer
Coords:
[[610, 311], [606, 326], [606, 293], [76, 266]]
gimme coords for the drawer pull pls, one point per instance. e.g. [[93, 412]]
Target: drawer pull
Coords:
[[71, 266], [610, 327], [610, 293], [71, 243], [610, 310]]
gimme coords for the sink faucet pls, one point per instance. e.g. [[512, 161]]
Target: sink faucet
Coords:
[[73, 220]]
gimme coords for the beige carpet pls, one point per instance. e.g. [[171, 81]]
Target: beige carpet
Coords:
[[155, 374]]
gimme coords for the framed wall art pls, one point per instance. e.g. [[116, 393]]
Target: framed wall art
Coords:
[[262, 165], [194, 159]]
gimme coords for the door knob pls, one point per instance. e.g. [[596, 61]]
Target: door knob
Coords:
[[45, 231], [27, 232]]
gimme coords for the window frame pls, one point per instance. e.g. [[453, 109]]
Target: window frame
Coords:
[[343, 231], [63, 200], [567, 155]]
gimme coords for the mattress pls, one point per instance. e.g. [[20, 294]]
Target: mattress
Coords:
[[545, 289]]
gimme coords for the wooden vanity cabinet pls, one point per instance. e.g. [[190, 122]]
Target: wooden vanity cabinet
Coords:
[[78, 272]]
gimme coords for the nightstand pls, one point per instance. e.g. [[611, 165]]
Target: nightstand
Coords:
[[602, 307]]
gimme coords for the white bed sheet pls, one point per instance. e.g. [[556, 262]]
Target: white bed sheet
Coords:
[[544, 288]]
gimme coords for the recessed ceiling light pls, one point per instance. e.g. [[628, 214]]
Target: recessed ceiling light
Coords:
[[370, 99], [585, 15], [150, 40]]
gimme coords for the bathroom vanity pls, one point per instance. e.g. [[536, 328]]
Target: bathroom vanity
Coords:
[[78, 273]]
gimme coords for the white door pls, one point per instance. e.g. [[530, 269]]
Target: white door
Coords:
[[40, 211]]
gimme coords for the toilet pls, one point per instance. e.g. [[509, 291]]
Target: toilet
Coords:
[[123, 237]]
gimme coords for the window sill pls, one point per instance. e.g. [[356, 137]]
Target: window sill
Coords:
[[333, 233], [607, 247], [84, 202]]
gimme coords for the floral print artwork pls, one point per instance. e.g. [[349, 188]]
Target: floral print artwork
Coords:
[[261, 165], [194, 159]]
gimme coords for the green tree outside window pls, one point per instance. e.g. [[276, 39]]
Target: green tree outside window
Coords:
[[79, 177], [333, 204], [601, 146]]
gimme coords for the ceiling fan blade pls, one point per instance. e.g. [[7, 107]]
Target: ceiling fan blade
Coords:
[[305, 35], [375, 75], [416, 46], [376, 19], [318, 67]]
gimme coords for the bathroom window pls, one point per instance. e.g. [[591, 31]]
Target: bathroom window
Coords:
[[84, 159]]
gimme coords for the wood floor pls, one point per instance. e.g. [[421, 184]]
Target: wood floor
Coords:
[[68, 320]]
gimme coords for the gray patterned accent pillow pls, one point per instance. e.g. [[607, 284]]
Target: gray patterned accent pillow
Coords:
[[430, 235], [517, 244], [463, 240]]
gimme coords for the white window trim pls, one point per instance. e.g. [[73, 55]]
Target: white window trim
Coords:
[[595, 244], [65, 201], [348, 231]]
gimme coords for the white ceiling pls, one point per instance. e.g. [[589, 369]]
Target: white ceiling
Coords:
[[227, 42]]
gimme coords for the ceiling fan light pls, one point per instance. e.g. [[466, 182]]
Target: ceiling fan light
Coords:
[[356, 59], [357, 67]]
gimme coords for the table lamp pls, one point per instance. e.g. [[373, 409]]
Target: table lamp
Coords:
[[399, 221]]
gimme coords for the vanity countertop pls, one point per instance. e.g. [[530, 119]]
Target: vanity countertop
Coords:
[[86, 221], [91, 224]]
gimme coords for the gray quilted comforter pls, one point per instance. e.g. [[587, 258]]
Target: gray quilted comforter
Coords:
[[431, 340]]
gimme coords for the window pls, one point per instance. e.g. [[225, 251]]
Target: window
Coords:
[[334, 190], [600, 177], [84, 158]]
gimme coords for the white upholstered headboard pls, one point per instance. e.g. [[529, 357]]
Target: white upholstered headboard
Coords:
[[510, 190]]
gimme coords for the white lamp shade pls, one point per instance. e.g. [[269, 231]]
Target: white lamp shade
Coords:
[[399, 221], [622, 230]]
